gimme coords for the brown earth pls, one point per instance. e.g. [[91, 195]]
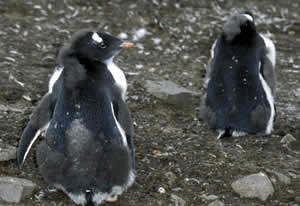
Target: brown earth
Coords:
[[173, 149]]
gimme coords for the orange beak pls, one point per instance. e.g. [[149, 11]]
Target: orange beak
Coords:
[[126, 44]]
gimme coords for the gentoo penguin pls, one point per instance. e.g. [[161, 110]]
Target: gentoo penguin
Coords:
[[88, 150], [240, 80]]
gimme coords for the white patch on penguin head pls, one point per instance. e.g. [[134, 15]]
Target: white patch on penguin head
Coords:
[[97, 38], [250, 18]]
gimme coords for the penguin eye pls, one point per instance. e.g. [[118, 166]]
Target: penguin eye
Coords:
[[101, 45]]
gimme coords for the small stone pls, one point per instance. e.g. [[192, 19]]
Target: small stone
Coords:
[[293, 175], [171, 177], [139, 34], [10, 90], [7, 152], [212, 197], [123, 35], [170, 92], [177, 200], [281, 177], [292, 33], [192, 180], [7, 108], [254, 186], [161, 190], [216, 203], [209, 197], [177, 189], [158, 153], [287, 139], [13, 189]]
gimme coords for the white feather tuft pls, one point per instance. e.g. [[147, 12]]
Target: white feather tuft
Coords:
[[97, 38], [250, 18]]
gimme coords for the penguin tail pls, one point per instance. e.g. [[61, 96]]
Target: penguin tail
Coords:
[[227, 132]]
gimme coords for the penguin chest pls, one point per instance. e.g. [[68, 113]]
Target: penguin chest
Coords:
[[119, 77]]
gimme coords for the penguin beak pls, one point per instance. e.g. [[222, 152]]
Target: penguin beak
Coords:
[[126, 44]]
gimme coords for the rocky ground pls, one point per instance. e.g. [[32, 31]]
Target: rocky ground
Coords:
[[179, 160]]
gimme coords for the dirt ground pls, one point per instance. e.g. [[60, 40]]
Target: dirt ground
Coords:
[[173, 149]]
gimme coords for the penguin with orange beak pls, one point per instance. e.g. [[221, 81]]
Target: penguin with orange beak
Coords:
[[88, 150]]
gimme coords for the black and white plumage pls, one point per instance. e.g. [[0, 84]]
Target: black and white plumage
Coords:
[[88, 149], [240, 81]]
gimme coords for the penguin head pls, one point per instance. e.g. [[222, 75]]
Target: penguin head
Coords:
[[91, 46], [239, 24]]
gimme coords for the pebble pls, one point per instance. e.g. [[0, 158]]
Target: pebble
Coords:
[[287, 139], [216, 203], [281, 177], [209, 197], [13, 189], [140, 33], [161, 190], [170, 92], [7, 152], [177, 189], [254, 186], [171, 177], [178, 201], [123, 35]]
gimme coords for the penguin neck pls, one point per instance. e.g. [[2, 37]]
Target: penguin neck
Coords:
[[78, 72], [88, 64], [118, 75], [244, 37]]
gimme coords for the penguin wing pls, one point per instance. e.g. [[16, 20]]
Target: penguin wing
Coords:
[[209, 65], [40, 117], [125, 120], [268, 63], [38, 123]]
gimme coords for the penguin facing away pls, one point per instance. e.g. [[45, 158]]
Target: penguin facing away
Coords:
[[88, 150], [240, 80]]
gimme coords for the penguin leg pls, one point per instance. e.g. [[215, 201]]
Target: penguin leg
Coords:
[[238, 133], [221, 134], [224, 133]]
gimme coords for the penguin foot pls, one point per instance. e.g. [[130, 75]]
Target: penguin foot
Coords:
[[112, 198], [224, 133], [238, 133]]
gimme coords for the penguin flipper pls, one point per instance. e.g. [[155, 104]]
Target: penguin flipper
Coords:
[[209, 65], [268, 64], [125, 120], [38, 123], [29, 136]]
